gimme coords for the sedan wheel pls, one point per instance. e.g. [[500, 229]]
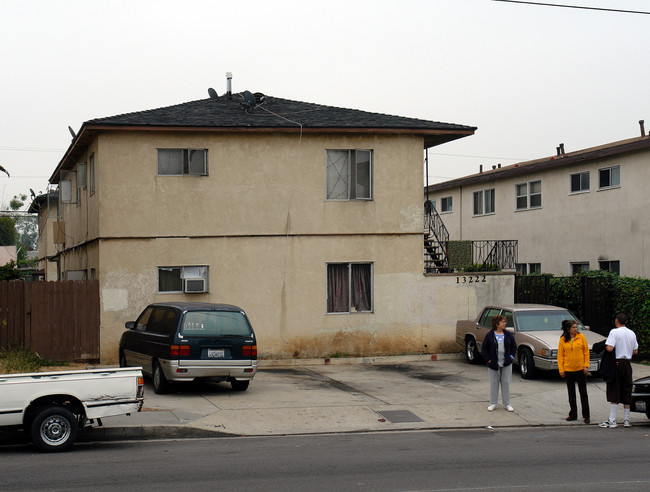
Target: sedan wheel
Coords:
[[526, 364], [471, 352]]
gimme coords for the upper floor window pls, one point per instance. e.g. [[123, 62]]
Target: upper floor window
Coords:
[[609, 177], [349, 174], [446, 204], [529, 195], [349, 287], [179, 162], [580, 182], [484, 202]]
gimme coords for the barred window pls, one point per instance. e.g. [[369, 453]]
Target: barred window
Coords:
[[349, 174]]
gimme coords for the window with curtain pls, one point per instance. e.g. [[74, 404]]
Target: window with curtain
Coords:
[[349, 287], [349, 174], [180, 162]]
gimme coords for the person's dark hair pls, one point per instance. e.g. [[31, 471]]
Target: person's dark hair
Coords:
[[566, 327], [496, 320], [622, 319]]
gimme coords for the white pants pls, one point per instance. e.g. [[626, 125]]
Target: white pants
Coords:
[[501, 376]]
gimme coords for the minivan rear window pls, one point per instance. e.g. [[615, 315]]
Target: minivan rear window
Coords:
[[214, 323]]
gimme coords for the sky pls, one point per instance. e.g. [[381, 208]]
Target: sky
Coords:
[[528, 76]]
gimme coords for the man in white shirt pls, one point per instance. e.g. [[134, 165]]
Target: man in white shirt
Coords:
[[623, 341]]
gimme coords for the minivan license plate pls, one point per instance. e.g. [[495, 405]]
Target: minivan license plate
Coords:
[[216, 353], [593, 366]]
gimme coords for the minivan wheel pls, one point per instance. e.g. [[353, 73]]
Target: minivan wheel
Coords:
[[239, 385], [526, 364], [160, 383]]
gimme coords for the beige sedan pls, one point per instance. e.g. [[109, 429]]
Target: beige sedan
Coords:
[[537, 330]]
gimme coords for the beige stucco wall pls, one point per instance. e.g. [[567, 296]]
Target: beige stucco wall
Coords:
[[611, 224], [282, 286]]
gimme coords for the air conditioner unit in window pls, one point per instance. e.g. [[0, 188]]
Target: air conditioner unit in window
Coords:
[[195, 285]]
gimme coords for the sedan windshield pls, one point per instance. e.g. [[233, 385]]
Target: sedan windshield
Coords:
[[214, 323], [543, 320]]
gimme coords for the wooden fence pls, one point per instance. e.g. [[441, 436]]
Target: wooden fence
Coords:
[[58, 320]]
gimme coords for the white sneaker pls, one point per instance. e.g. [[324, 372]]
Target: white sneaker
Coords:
[[608, 424], [509, 408], [491, 407], [626, 423]]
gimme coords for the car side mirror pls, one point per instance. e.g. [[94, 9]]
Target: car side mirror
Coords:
[[129, 325], [511, 329]]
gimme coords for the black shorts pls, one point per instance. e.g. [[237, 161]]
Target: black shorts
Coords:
[[620, 390]]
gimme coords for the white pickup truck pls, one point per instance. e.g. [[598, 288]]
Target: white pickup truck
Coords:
[[53, 406]]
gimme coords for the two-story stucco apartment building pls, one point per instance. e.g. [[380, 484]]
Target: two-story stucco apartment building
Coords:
[[309, 217], [583, 210]]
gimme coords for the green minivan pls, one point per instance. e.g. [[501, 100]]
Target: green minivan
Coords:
[[186, 341]]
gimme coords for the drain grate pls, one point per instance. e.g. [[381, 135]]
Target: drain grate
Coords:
[[399, 416]]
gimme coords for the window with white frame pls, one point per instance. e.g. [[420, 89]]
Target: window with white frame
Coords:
[[529, 195], [349, 174], [349, 287], [613, 266], [484, 202], [446, 204], [526, 268], [187, 279], [182, 162], [609, 177], [580, 182], [579, 266]]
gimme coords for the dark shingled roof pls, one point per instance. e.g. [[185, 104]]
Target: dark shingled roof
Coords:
[[257, 112], [270, 112]]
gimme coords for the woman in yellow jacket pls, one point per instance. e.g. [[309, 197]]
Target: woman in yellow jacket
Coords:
[[573, 363]]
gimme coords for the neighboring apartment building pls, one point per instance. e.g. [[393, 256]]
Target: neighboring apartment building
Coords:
[[307, 216], [46, 206], [583, 210]]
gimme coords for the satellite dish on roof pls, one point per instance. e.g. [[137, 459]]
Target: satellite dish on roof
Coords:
[[212, 93], [74, 135], [250, 99]]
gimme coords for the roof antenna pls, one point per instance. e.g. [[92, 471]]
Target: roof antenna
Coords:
[[74, 135], [212, 93]]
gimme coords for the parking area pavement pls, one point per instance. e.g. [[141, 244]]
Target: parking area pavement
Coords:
[[346, 395]]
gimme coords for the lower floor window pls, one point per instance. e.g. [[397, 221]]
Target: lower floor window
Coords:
[[188, 279], [579, 266], [349, 287], [610, 266], [526, 268]]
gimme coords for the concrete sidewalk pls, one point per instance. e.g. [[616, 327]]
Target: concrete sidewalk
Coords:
[[346, 395]]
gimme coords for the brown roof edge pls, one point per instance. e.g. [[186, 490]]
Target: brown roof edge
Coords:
[[529, 167]]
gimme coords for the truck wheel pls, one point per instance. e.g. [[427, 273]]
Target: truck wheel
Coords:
[[526, 364], [54, 429], [471, 352], [160, 383], [122, 359], [239, 385]]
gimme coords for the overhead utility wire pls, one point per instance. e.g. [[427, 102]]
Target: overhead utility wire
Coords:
[[574, 6]]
